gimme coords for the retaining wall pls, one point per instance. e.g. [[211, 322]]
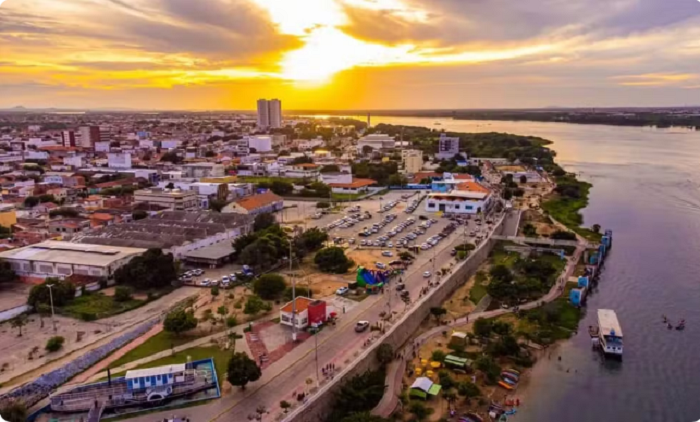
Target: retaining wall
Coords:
[[319, 407]]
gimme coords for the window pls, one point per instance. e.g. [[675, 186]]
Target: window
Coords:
[[456, 207], [431, 205]]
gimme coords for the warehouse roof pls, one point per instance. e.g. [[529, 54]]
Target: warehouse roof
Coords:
[[71, 253]]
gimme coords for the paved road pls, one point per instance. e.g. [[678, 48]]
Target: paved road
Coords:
[[395, 372], [336, 344]]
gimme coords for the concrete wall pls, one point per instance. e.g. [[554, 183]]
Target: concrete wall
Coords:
[[320, 405]]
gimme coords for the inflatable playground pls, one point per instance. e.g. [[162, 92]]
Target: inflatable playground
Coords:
[[373, 280]]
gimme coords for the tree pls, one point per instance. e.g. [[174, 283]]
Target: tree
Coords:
[[406, 256], [507, 194], [281, 187], [214, 291], [172, 157], [14, 411], [302, 160], [242, 370], [31, 201], [223, 311], [7, 274], [18, 322], [563, 235], [217, 205], [269, 286], [48, 198], [63, 292], [438, 355], [489, 367], [170, 185], [360, 393], [385, 354], [367, 150], [311, 239], [263, 221], [210, 154], [253, 305], [322, 205], [437, 312], [284, 405], [122, 294], [299, 291], [333, 260], [260, 254], [482, 327], [446, 380], [468, 389], [529, 230], [397, 180], [179, 321], [518, 192], [151, 270], [523, 179], [139, 215], [595, 228], [501, 273], [419, 410], [64, 212], [330, 168], [54, 344]]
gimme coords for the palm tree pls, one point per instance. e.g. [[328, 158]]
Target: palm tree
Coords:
[[18, 322]]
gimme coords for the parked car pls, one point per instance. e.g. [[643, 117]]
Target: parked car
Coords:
[[361, 326], [427, 274], [206, 282], [387, 253], [380, 265], [341, 291]]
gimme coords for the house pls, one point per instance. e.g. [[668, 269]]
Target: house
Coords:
[[198, 170], [255, 204], [467, 198], [302, 171], [356, 186], [67, 227], [8, 215], [376, 141], [173, 199], [309, 312]]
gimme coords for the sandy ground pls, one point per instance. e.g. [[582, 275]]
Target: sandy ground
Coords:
[[13, 295], [459, 304], [15, 351]]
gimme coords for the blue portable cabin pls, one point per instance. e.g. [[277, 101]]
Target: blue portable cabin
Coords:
[[577, 296], [607, 239], [583, 281], [140, 379], [593, 259]]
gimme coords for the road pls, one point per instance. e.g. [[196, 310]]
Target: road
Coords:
[[395, 371], [336, 344]]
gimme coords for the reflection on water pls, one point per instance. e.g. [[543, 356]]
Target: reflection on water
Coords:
[[647, 189]]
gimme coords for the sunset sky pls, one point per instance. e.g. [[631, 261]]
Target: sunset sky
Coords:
[[349, 54]]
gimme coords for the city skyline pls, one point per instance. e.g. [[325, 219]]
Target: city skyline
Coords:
[[348, 54]]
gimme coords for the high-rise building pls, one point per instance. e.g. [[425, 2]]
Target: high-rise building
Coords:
[[269, 113], [105, 133], [68, 138], [89, 135], [448, 147]]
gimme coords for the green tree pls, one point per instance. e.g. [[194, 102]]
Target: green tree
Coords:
[[217, 205], [242, 370], [222, 310], [54, 343], [214, 291], [14, 411], [139, 215], [529, 230], [31, 201], [507, 194], [263, 221], [482, 327], [122, 293], [7, 274], [179, 321], [563, 235], [172, 157], [151, 270], [595, 228], [501, 273], [231, 321], [280, 187], [63, 292], [261, 254], [438, 355], [397, 180], [253, 305], [322, 205], [269, 286], [64, 212], [438, 312], [311, 239], [302, 160], [300, 291], [330, 168], [420, 410], [468, 389], [489, 367], [385, 354], [333, 260], [367, 150], [284, 405], [518, 192], [360, 393], [446, 381], [18, 322]]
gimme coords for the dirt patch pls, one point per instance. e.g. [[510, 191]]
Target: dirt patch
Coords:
[[369, 257], [459, 304], [510, 168], [325, 284]]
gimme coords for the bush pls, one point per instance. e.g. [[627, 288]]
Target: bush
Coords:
[[253, 305], [323, 205], [63, 292], [231, 321], [333, 260], [179, 321], [55, 343], [269, 286], [88, 316], [299, 291], [214, 290], [122, 294], [14, 411], [438, 356]]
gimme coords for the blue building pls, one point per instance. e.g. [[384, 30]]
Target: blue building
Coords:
[[155, 377]]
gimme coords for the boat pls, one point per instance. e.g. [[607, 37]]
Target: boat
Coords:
[[505, 385], [610, 333], [510, 378], [681, 325]]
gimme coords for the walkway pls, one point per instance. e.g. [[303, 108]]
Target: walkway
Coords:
[[389, 402]]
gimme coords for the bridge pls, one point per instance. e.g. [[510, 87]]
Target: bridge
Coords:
[[538, 241]]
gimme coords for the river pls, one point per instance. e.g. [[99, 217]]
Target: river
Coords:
[[646, 188]]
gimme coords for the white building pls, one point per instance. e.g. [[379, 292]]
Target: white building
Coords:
[[89, 135], [102, 146], [412, 160], [60, 259], [119, 160], [377, 142], [301, 171], [198, 170], [172, 199], [448, 147], [269, 113], [261, 143], [170, 143], [468, 198]]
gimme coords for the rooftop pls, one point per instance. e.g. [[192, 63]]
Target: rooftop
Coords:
[[158, 370], [71, 253], [257, 201], [301, 302], [356, 183]]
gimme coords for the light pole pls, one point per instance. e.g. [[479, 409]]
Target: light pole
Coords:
[[53, 321], [294, 295], [318, 332]]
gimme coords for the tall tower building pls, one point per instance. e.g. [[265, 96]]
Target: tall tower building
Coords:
[[89, 135], [269, 113], [68, 138]]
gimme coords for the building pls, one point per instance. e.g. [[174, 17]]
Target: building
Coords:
[[89, 135], [199, 170], [353, 187], [172, 199], [412, 160], [261, 143], [448, 147], [62, 259], [256, 204], [269, 113], [302, 171], [67, 227], [468, 198], [8, 215], [177, 232], [119, 160], [376, 141], [105, 133], [308, 312], [68, 138]]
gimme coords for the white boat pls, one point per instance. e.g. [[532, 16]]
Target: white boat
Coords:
[[610, 332]]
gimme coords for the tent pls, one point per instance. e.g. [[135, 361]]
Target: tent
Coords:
[[422, 387]]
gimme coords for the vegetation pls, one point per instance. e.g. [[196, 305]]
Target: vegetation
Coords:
[[179, 321], [14, 411], [54, 344], [254, 305], [122, 294], [18, 322], [333, 260], [217, 205], [526, 279], [64, 212], [381, 172], [241, 370], [358, 395], [310, 240], [565, 206], [438, 313], [92, 306], [385, 354], [164, 340], [263, 248], [151, 270], [7, 274], [139, 215], [269, 286], [63, 292], [420, 410]]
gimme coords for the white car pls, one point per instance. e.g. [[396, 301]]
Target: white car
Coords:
[[224, 279], [206, 282], [427, 274], [341, 291], [380, 265], [387, 253]]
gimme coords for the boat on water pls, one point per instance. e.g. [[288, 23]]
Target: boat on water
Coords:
[[610, 332], [681, 325], [505, 385]]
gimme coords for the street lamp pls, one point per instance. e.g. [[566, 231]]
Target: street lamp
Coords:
[[53, 321]]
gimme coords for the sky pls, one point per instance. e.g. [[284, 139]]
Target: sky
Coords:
[[349, 54]]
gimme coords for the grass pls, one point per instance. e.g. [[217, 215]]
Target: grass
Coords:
[[221, 358], [159, 342], [263, 179], [567, 210], [501, 257], [99, 306], [346, 196], [478, 290]]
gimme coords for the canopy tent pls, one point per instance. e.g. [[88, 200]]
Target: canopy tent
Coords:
[[422, 387]]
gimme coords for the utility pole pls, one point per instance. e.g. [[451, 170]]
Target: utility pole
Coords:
[[294, 295], [53, 320], [318, 380]]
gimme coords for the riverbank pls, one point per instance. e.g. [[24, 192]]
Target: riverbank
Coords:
[[566, 201]]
